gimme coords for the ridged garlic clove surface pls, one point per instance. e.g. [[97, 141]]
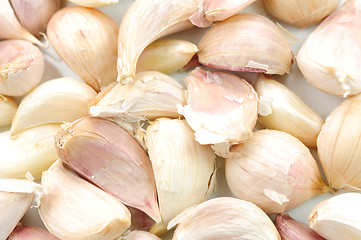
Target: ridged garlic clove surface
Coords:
[[29, 233], [8, 109], [139, 235], [94, 3]]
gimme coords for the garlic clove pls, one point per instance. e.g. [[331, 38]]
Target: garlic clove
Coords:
[[8, 109], [288, 112], [29, 232], [224, 218], [184, 170], [21, 67], [140, 220], [89, 51], [123, 168], [274, 170], [73, 208], [94, 3], [55, 101], [221, 107], [139, 235]]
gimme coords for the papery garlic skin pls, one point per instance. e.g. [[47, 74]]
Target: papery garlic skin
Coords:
[[91, 52], [223, 218], [21, 67], [29, 232], [139, 235], [8, 109], [328, 59], [274, 170], [94, 3]]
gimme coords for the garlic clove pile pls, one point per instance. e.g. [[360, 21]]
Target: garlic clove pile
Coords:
[[29, 233], [139, 235], [72, 208], [8, 109], [94, 3]]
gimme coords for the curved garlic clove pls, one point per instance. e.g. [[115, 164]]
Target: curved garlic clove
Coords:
[[91, 52], [224, 218], [139, 235], [184, 170], [94, 3], [321, 60], [72, 208], [8, 109], [55, 101], [21, 67], [274, 170], [29, 232], [288, 112], [239, 43], [221, 107]]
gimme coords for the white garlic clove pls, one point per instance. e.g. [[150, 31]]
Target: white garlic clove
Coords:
[[139, 235], [94, 3], [8, 109], [29, 233]]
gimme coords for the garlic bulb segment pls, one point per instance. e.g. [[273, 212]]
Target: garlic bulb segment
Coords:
[[72, 208], [94, 3], [184, 170], [91, 52], [113, 160], [274, 170], [8, 109], [328, 59], [224, 218], [54, 101], [152, 95], [221, 107], [30, 151], [21, 67], [139, 235], [246, 42], [166, 56], [140, 220], [288, 112], [338, 217], [29, 232]]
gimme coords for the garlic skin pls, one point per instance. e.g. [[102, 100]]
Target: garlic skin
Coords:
[[74, 209], [221, 107], [54, 101], [274, 170], [94, 3], [89, 51], [184, 170], [246, 42], [224, 218], [139, 235], [21, 67], [29, 232], [8, 109], [288, 112], [327, 59]]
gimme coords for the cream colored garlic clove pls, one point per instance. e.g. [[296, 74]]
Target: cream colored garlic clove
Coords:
[[328, 59], [139, 235], [239, 43], [8, 109], [184, 170], [55, 101], [224, 218], [221, 107], [21, 67], [30, 233], [86, 39], [73, 208], [113, 160], [288, 112], [274, 170], [94, 3]]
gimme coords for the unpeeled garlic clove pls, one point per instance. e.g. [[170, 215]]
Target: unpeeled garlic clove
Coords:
[[139, 235], [224, 218], [21, 67], [91, 52], [72, 208], [29, 232], [274, 170], [184, 170], [55, 101], [8, 109], [94, 3], [221, 107]]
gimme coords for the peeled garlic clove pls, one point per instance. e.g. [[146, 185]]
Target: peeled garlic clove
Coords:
[[274, 170], [321, 60], [21, 67], [239, 43], [91, 52], [29, 232], [8, 109], [94, 3], [113, 160], [224, 218], [184, 170], [139, 235], [288, 112], [55, 101], [221, 107], [73, 208]]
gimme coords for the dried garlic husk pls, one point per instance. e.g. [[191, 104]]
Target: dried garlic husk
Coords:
[[328, 59], [94, 3], [139, 235], [30, 233], [21, 67], [338, 217], [184, 170], [152, 95], [91, 52], [113, 160], [246, 42], [8, 109], [274, 170], [224, 218], [221, 107], [55, 101], [72, 208], [287, 112]]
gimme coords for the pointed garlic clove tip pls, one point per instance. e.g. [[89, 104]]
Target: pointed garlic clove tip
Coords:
[[94, 3], [29, 232], [139, 235], [8, 108]]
